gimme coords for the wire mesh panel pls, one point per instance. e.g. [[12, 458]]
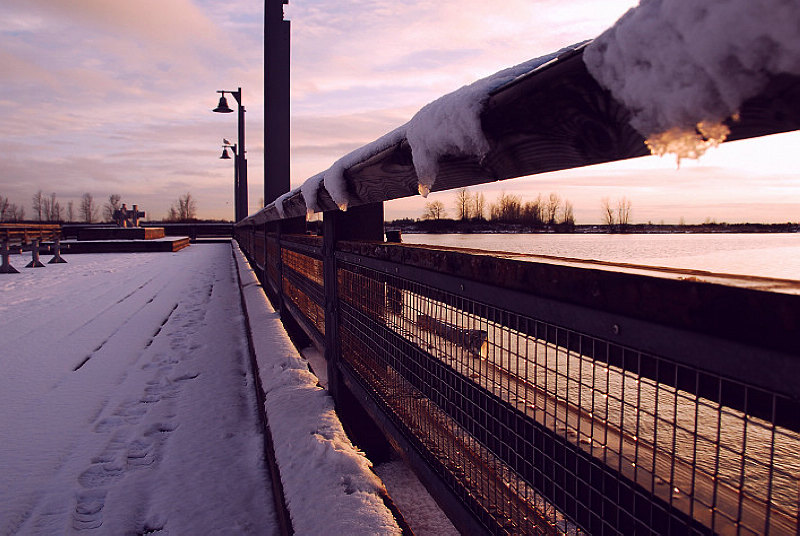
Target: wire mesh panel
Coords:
[[257, 248], [272, 260], [542, 429], [303, 286], [312, 311], [305, 265]]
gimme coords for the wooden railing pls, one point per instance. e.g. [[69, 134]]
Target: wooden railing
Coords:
[[22, 234], [555, 118], [601, 399]]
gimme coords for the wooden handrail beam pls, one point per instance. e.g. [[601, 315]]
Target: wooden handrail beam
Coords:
[[555, 118]]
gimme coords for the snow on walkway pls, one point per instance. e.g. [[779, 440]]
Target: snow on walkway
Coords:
[[126, 401], [329, 485]]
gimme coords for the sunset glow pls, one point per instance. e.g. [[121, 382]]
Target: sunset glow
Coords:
[[116, 98]]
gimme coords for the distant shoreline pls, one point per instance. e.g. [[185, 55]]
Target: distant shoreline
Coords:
[[445, 226]]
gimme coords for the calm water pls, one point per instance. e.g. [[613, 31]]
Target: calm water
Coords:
[[658, 429], [767, 255]]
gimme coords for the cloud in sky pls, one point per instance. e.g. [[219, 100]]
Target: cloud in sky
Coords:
[[115, 97]]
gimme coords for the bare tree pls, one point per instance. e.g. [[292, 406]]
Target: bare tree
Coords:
[[623, 212], [44, 206], [434, 210], [38, 202], [495, 213], [88, 208], [111, 207], [10, 211], [70, 211], [16, 213], [532, 212], [188, 206], [508, 208], [56, 211], [51, 208], [4, 204], [184, 209], [567, 214], [608, 213], [463, 198], [478, 205], [551, 208]]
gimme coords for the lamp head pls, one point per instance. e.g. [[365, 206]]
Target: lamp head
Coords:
[[225, 155], [223, 107]]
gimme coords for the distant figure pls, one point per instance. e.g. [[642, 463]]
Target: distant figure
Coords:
[[121, 216]]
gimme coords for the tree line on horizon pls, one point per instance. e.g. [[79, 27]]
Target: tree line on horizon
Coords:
[[507, 208], [616, 218], [48, 208], [542, 212]]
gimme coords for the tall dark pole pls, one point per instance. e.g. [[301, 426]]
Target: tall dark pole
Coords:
[[242, 207], [236, 167], [276, 100]]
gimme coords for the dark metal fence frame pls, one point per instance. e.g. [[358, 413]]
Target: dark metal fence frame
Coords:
[[567, 487], [501, 464]]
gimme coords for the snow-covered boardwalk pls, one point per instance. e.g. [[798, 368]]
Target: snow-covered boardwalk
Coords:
[[126, 399]]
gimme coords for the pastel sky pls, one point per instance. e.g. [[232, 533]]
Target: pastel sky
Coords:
[[116, 97]]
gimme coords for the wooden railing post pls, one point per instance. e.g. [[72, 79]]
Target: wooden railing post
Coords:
[[35, 262], [57, 258], [360, 223], [6, 267], [265, 270]]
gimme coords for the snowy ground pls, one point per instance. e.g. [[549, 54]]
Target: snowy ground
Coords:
[[126, 402], [127, 407]]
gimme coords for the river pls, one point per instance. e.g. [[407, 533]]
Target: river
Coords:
[[759, 254], [666, 434]]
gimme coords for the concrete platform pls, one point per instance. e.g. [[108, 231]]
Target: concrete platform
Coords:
[[172, 244], [120, 233]]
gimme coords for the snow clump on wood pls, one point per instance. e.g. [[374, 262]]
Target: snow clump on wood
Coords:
[[684, 67], [450, 125]]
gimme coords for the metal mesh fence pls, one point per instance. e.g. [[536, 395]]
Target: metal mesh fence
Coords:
[[272, 260], [305, 265], [303, 286], [541, 429], [257, 249]]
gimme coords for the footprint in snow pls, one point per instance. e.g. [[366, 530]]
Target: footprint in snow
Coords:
[[88, 510]]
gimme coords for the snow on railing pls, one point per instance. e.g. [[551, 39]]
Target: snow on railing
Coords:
[[684, 67], [672, 76]]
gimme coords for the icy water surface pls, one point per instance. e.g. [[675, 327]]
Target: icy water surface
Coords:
[[765, 255]]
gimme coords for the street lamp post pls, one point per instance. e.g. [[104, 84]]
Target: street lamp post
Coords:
[[240, 162], [225, 156]]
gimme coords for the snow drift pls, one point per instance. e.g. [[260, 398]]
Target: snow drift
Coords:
[[329, 485]]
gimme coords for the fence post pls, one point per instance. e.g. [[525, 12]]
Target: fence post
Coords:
[[6, 267], [57, 259], [35, 262], [359, 223], [265, 270]]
